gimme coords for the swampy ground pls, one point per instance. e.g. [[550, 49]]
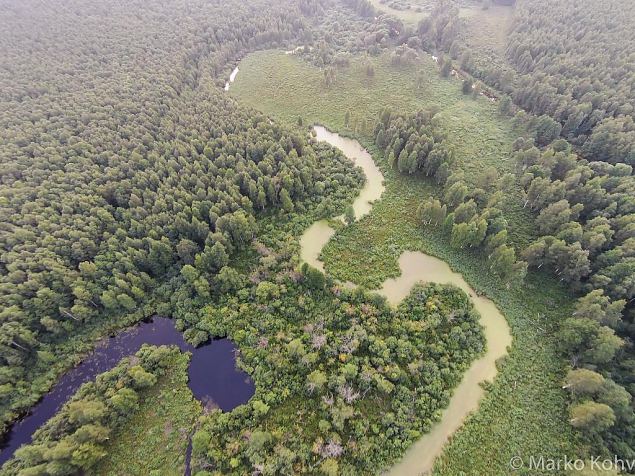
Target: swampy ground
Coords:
[[155, 440], [524, 410], [288, 88]]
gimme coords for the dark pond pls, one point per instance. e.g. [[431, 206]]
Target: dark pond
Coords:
[[213, 376]]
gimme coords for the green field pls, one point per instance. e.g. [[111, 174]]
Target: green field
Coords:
[[488, 28], [524, 412], [486, 37], [154, 441]]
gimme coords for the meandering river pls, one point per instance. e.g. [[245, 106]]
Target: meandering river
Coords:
[[416, 267], [213, 376]]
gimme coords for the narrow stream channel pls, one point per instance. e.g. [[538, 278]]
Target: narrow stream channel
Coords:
[[213, 376], [232, 77], [417, 267]]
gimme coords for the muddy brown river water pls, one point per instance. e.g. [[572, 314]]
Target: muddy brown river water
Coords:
[[417, 267]]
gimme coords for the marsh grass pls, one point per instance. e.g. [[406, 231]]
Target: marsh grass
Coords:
[[154, 441], [288, 88], [410, 16], [524, 411]]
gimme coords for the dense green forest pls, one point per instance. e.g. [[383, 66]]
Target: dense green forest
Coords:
[[117, 173], [585, 212], [347, 382], [132, 184], [579, 72]]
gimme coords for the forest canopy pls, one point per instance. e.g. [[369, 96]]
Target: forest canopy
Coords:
[[122, 162], [132, 184], [579, 71]]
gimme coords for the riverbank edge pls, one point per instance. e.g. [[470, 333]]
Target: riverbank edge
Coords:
[[410, 458]]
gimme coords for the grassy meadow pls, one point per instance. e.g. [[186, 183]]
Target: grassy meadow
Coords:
[[488, 28], [485, 36], [524, 411], [412, 12], [288, 88]]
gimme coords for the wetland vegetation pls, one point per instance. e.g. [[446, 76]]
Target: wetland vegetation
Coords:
[[411, 224]]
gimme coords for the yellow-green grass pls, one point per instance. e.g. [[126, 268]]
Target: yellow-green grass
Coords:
[[154, 441], [486, 35], [524, 412], [489, 28]]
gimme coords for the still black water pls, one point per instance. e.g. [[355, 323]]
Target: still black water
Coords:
[[213, 376]]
